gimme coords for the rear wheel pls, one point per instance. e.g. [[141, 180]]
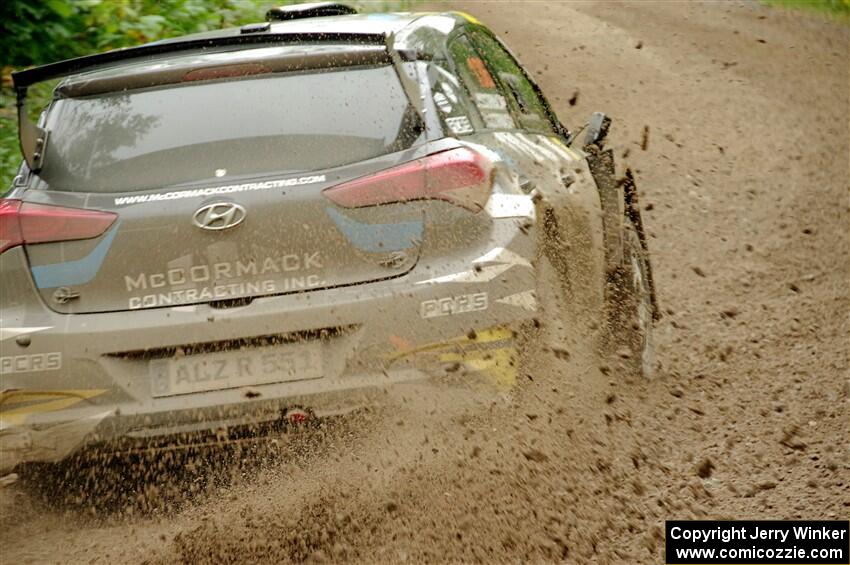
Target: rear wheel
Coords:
[[630, 307]]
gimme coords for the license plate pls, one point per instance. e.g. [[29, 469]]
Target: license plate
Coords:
[[232, 369]]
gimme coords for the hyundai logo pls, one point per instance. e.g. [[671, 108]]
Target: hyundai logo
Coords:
[[219, 216]]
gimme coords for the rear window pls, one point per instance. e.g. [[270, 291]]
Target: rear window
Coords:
[[202, 131]]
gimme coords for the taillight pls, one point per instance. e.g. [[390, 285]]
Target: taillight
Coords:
[[460, 176], [10, 228], [25, 222]]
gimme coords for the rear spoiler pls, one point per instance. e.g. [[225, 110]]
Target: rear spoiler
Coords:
[[33, 138]]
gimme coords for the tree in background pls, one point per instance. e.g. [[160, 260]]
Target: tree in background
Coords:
[[41, 31]]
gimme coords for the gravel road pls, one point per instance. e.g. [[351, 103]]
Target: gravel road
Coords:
[[735, 117]]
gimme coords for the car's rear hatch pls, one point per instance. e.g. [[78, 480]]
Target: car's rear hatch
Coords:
[[216, 185]]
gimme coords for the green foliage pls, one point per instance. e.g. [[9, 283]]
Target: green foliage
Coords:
[[10, 155], [839, 9], [41, 32], [36, 32]]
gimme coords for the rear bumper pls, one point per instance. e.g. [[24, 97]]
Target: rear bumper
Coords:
[[85, 378]]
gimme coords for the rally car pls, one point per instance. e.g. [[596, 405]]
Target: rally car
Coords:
[[268, 222]]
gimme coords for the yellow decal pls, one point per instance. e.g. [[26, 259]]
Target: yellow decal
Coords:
[[17, 405], [499, 365], [572, 152], [404, 347], [469, 18]]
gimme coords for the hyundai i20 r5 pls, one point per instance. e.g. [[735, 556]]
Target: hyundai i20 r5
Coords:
[[226, 228]]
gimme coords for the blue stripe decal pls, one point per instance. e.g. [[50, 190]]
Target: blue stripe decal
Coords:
[[72, 273], [377, 238]]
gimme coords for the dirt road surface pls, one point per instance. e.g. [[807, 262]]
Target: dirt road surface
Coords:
[[744, 184]]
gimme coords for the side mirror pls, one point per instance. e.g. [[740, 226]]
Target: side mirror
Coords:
[[597, 129]]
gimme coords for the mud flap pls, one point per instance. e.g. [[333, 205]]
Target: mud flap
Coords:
[[601, 164], [630, 197]]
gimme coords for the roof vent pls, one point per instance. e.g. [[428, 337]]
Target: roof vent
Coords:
[[311, 10]]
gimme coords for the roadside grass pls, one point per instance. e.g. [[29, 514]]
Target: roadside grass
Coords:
[[836, 9], [100, 25], [10, 154]]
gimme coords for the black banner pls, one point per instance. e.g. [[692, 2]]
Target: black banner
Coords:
[[759, 542]]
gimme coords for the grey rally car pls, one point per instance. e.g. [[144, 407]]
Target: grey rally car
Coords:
[[269, 222]]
